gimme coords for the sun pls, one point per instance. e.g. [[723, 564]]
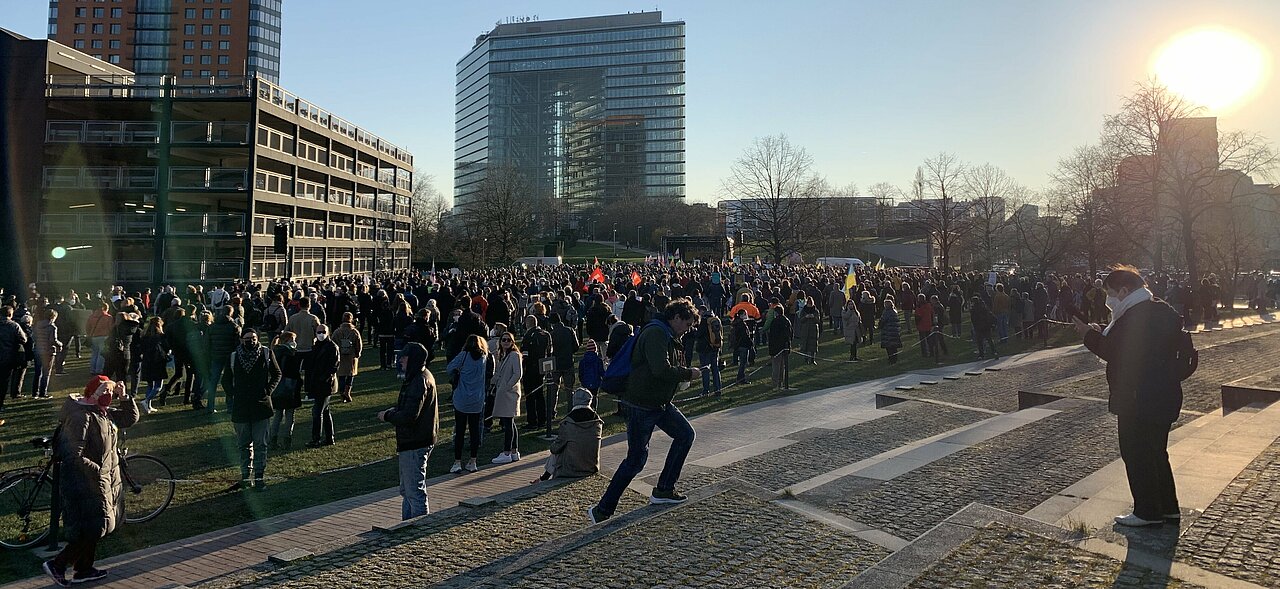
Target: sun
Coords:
[[1214, 67]]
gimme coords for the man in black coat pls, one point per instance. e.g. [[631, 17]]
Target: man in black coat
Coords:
[[417, 420], [12, 352], [1141, 349], [320, 380], [536, 346], [249, 380]]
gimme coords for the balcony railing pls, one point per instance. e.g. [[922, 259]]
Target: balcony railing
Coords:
[[120, 132], [211, 132], [202, 270], [91, 224], [292, 103], [120, 178], [227, 224], [208, 178], [95, 271], [108, 86]]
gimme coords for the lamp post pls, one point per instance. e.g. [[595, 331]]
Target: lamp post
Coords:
[[638, 235], [615, 241]]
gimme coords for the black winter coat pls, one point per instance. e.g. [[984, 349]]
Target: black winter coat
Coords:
[[250, 389], [1139, 353], [321, 378]]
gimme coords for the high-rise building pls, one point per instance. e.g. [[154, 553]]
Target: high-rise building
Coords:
[[116, 181], [583, 109], [184, 38]]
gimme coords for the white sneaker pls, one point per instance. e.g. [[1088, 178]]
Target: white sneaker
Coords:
[[1134, 521], [146, 407], [502, 458], [515, 455], [471, 466], [456, 468]]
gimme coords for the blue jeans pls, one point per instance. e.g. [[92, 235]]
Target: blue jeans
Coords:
[[413, 482], [216, 368], [1002, 326], [251, 440], [709, 364], [743, 358], [640, 424]]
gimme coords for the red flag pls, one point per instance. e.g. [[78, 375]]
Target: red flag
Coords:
[[597, 275], [635, 278]]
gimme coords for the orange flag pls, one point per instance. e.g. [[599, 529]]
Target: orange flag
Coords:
[[635, 278]]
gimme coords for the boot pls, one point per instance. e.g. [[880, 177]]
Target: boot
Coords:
[[164, 394]]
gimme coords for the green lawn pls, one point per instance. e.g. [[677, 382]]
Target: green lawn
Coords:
[[200, 447], [585, 253]]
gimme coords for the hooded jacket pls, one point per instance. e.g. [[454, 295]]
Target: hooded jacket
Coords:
[[655, 374], [417, 411], [90, 479], [577, 443]]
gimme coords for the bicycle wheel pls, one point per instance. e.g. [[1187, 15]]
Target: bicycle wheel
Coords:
[[25, 502], [148, 488]]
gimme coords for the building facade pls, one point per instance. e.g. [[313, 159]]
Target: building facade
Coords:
[[176, 182], [583, 109], [183, 38]]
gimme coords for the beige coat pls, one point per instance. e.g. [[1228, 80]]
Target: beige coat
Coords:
[[506, 381], [90, 481], [349, 347]]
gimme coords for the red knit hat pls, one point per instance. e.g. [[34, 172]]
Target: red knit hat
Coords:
[[98, 390]]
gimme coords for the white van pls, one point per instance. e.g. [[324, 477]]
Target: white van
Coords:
[[840, 262], [539, 261]]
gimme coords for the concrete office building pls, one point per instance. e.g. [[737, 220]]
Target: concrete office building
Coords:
[[583, 109], [184, 38], [179, 182]]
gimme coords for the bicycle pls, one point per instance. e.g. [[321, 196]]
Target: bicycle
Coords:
[[26, 495]]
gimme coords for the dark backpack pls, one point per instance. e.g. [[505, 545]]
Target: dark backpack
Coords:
[[1185, 358], [615, 376], [270, 322]]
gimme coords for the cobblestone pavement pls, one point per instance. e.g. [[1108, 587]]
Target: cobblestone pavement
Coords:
[[727, 541], [824, 453], [1002, 556], [1218, 365], [1239, 534], [1015, 471], [445, 545], [998, 391]]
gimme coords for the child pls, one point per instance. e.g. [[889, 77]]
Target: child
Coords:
[[575, 452]]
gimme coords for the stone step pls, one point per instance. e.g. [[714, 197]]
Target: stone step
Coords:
[[443, 545]]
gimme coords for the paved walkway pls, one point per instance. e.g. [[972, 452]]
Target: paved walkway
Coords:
[[723, 437]]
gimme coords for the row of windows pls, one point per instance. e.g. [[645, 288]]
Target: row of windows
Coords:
[[653, 68], [578, 50], [597, 61], [205, 59], [96, 44], [644, 91], [206, 29], [97, 29], [278, 141], [206, 74], [265, 48], [645, 80], [224, 13], [255, 61], [594, 37], [314, 153], [264, 17], [84, 12], [264, 33], [190, 44]]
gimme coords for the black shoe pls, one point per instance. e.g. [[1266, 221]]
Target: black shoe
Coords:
[[259, 485], [57, 573], [89, 575], [594, 514], [666, 497], [198, 406], [314, 444]]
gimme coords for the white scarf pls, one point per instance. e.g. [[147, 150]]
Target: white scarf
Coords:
[[1138, 296]]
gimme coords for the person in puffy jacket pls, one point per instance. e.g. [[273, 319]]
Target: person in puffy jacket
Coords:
[[575, 452], [417, 420], [251, 375], [590, 367], [90, 484], [471, 366]]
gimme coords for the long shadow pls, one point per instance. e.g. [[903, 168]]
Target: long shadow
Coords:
[[1160, 542]]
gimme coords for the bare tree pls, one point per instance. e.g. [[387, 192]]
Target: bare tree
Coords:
[[502, 221], [940, 179], [1084, 183], [885, 194], [429, 207], [987, 188], [1044, 240], [777, 193]]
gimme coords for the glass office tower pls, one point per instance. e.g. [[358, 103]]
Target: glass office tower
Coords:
[[583, 109]]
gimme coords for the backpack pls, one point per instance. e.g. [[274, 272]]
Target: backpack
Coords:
[[615, 376], [270, 322], [1186, 358]]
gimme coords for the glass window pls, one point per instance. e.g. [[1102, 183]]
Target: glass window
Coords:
[[189, 13], [223, 74], [96, 43], [206, 59], [78, 28], [115, 29], [224, 45], [224, 29], [225, 13], [186, 73], [206, 44], [82, 12], [207, 13], [224, 60], [206, 29], [188, 59], [189, 29], [78, 44], [117, 12], [204, 73], [114, 58], [99, 12], [53, 29], [53, 12], [114, 43], [97, 29], [188, 44]]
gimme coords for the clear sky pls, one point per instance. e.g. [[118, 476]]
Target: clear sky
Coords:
[[869, 88]]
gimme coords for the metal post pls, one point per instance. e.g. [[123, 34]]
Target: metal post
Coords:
[[552, 386], [55, 504]]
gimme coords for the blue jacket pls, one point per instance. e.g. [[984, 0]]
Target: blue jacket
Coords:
[[468, 396], [591, 370]]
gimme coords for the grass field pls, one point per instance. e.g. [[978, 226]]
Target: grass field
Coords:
[[584, 252], [200, 447]]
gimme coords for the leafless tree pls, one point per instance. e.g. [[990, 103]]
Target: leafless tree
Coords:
[[987, 188], [429, 207], [1084, 183], [777, 191], [1044, 240], [936, 209], [502, 221], [885, 194]]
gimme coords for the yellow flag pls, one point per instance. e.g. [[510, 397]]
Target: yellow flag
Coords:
[[850, 281]]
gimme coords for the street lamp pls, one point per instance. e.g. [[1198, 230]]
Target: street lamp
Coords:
[[615, 241], [638, 235]]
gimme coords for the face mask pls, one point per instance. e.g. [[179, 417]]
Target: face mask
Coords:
[[292, 345], [250, 345], [321, 337], [1113, 302], [799, 304]]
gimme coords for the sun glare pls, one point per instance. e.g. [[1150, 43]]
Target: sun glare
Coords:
[[1217, 68]]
